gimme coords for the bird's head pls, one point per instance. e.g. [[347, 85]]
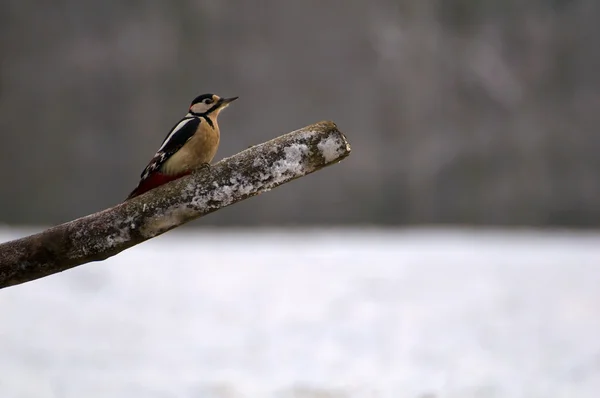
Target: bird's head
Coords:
[[209, 104]]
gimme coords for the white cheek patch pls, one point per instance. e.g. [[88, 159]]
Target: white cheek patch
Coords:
[[200, 107], [175, 130]]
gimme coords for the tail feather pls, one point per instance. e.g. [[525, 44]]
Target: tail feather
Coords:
[[152, 181]]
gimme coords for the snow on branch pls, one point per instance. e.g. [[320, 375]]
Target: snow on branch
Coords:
[[106, 233]]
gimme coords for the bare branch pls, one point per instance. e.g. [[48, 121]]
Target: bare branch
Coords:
[[106, 233]]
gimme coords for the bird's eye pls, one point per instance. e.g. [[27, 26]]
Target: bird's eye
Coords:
[[208, 101]]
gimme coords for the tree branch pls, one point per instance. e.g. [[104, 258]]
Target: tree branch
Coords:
[[106, 233]]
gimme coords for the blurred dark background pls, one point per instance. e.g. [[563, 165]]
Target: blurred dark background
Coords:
[[458, 111]]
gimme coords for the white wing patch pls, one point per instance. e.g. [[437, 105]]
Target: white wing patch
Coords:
[[175, 129]]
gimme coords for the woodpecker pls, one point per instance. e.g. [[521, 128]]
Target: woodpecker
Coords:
[[191, 143]]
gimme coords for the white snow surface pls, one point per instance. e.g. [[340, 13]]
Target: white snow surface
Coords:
[[313, 314]]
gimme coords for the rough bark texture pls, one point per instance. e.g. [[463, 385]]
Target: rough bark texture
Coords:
[[106, 233]]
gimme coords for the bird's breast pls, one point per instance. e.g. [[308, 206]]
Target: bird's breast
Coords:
[[200, 149], [205, 142]]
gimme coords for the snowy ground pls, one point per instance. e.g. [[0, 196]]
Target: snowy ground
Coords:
[[416, 314]]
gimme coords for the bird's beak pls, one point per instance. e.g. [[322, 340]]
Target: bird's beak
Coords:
[[227, 101]]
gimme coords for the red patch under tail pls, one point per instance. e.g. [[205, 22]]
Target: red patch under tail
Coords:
[[152, 181]]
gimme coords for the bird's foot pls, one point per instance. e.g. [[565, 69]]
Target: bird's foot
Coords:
[[204, 166]]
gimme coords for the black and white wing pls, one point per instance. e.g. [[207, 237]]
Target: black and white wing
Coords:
[[177, 137]]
